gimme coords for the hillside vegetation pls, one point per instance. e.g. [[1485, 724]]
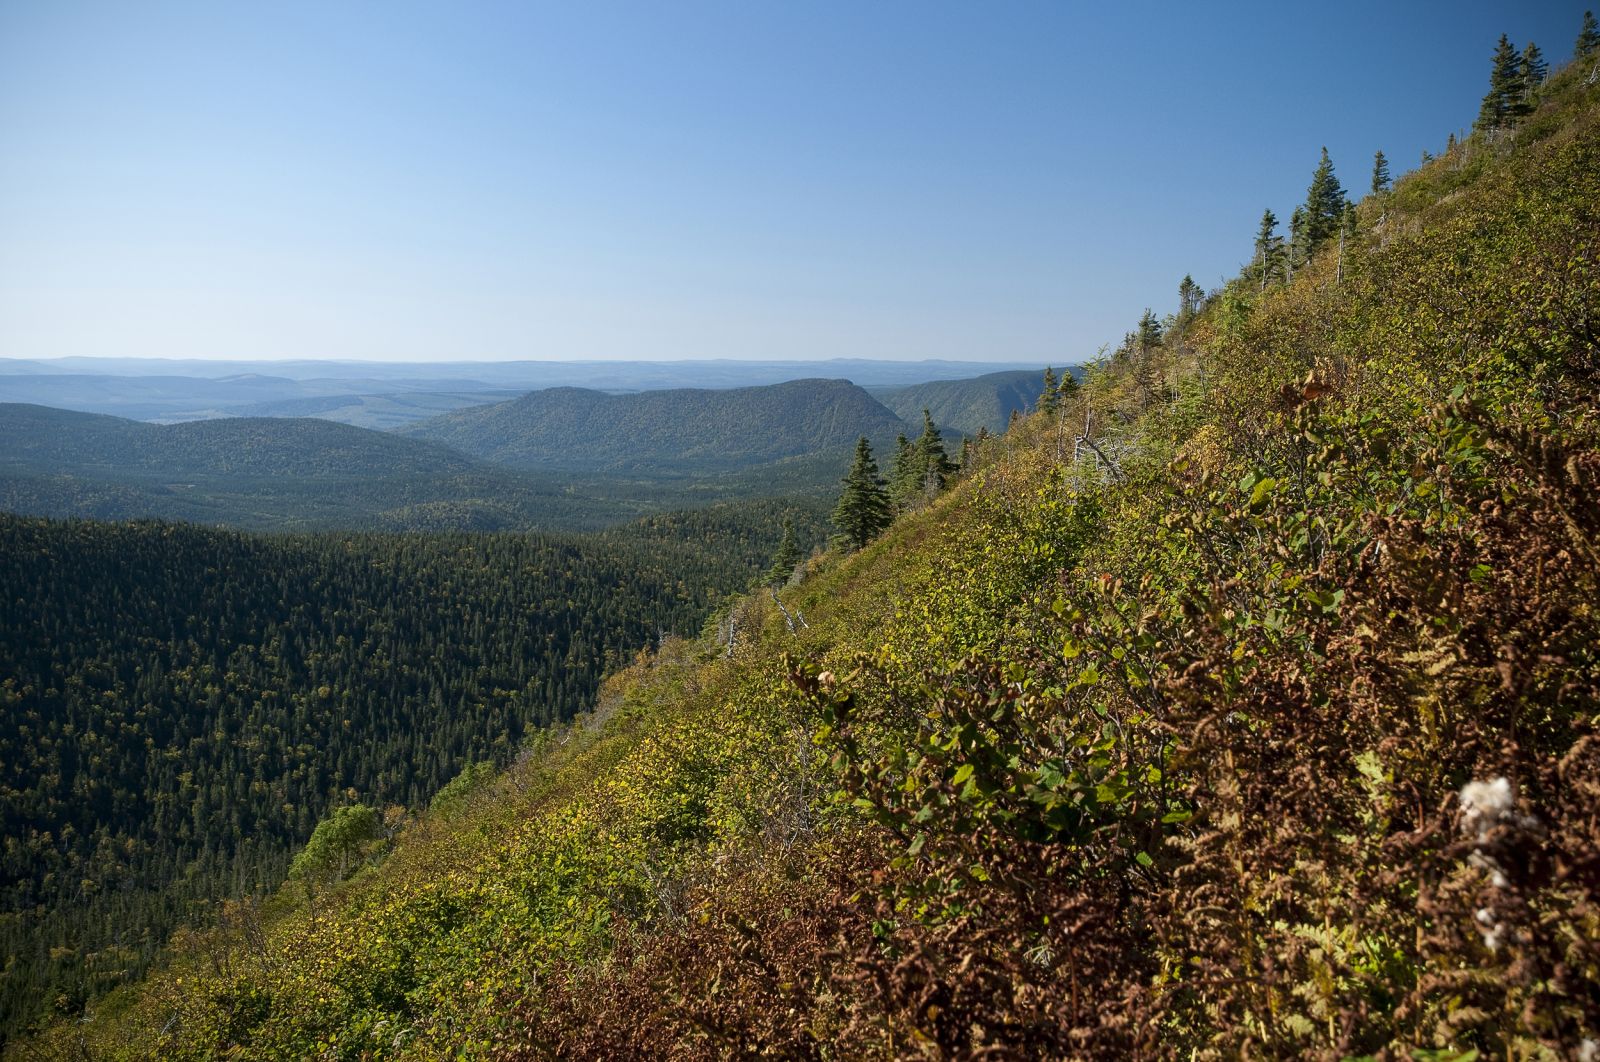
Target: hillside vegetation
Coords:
[[1255, 719], [678, 431], [984, 402], [286, 474], [179, 707]]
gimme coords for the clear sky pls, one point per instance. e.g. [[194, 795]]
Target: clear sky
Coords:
[[973, 180]]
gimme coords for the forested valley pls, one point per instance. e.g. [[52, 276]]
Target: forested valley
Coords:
[[180, 706], [1241, 700]]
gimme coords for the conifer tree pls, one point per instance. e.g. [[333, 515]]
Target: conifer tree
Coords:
[[1050, 395], [935, 462], [1380, 173], [1504, 103], [863, 508], [785, 559], [1149, 332], [1324, 205], [1189, 296], [905, 475], [1588, 38], [1269, 248], [1068, 385], [1534, 69], [1297, 241]]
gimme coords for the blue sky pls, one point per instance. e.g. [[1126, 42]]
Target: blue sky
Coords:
[[987, 181]]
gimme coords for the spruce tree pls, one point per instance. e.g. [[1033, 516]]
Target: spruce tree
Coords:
[[1189, 296], [863, 508], [936, 464], [1505, 101], [1534, 69], [1269, 248], [1068, 385], [784, 561], [1380, 173], [1049, 396], [905, 475], [1588, 38], [1324, 205], [1297, 240]]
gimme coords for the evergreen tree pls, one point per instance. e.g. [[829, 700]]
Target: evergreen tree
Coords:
[[1588, 38], [1297, 241], [1324, 205], [1380, 173], [1505, 101], [1189, 296], [1534, 69], [863, 508], [1050, 395], [788, 555], [936, 464], [1269, 248], [905, 475], [1149, 332], [1067, 387]]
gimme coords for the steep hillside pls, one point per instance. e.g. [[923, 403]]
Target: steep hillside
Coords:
[[967, 405], [680, 431], [1259, 718]]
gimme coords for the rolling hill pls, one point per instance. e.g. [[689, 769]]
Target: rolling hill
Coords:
[[673, 432], [964, 406], [275, 474]]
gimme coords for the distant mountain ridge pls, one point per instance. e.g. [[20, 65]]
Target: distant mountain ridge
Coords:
[[684, 431], [965, 406], [269, 474], [238, 446]]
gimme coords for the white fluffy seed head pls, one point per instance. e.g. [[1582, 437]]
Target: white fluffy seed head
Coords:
[[1485, 805]]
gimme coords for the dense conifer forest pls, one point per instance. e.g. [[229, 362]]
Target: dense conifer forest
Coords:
[[179, 707], [1243, 701]]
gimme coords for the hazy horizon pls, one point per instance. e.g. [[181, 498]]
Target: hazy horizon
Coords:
[[508, 182]]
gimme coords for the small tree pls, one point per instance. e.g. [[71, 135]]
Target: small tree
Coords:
[[1324, 205], [1049, 395], [936, 464], [1534, 69], [1588, 38], [1269, 248], [1189, 296], [788, 555], [905, 475], [336, 844], [1505, 101], [1380, 173], [863, 508]]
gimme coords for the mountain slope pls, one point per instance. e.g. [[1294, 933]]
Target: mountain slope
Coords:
[[271, 474], [58, 440], [678, 431], [967, 405], [1263, 722]]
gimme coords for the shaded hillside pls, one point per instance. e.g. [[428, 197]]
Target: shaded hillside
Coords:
[[678, 432], [967, 405]]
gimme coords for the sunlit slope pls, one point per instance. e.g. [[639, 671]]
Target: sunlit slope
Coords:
[[1183, 737], [682, 431]]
